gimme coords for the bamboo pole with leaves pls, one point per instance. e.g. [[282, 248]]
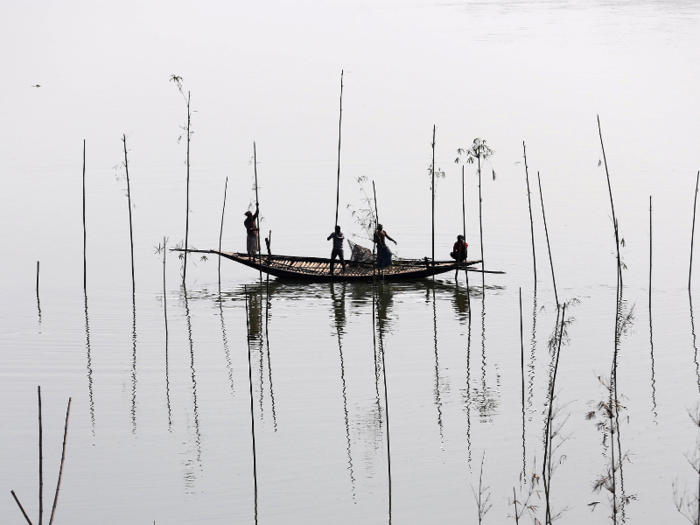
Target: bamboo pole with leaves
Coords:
[[340, 128], [187, 128], [480, 151]]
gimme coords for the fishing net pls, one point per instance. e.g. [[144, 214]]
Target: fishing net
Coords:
[[360, 253]]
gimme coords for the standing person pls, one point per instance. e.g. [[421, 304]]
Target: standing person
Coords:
[[459, 250], [252, 230], [383, 252], [338, 239]]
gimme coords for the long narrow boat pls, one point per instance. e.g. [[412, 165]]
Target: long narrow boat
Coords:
[[318, 269]]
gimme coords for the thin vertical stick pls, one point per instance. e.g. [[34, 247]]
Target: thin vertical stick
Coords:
[[650, 252], [41, 461], [612, 206], [692, 235], [84, 229], [252, 406], [21, 507], [257, 219], [340, 128], [532, 224], [165, 318], [63, 459], [466, 250], [432, 188], [481, 226], [549, 249], [187, 209], [131, 230], [376, 224], [221, 229]]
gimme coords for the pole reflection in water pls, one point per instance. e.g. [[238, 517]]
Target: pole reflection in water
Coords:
[[695, 345], [377, 290], [340, 322], [227, 352], [193, 375], [255, 335], [437, 388], [267, 347], [133, 362], [485, 398], [165, 319], [89, 363], [651, 330], [533, 354], [522, 376], [252, 409]]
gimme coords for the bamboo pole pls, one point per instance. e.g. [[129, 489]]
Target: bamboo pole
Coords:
[[432, 188], [63, 459], [84, 228], [131, 230], [549, 249], [187, 209], [376, 231], [532, 224], [481, 226], [340, 128], [650, 253], [692, 235], [221, 230], [257, 201]]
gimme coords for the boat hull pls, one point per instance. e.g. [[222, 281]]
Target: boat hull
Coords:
[[318, 269]]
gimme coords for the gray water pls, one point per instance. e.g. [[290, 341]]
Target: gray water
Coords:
[[160, 428]]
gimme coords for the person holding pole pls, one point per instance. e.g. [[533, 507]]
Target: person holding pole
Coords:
[[252, 230], [338, 239], [383, 252]]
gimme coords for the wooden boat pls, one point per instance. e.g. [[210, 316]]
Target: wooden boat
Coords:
[[318, 269]]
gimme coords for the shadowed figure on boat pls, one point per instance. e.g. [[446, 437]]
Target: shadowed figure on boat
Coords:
[[337, 251], [252, 229], [383, 252]]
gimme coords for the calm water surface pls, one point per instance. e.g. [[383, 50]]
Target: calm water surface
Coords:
[[160, 426]]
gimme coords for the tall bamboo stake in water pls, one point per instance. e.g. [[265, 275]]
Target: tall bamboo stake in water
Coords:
[[187, 204], [692, 235], [257, 200], [532, 224], [432, 189], [221, 230], [466, 251], [340, 128], [252, 406], [131, 230], [84, 229], [63, 459], [376, 232], [612, 205], [549, 248]]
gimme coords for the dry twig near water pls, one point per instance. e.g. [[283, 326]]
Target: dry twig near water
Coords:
[[689, 504], [483, 496]]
